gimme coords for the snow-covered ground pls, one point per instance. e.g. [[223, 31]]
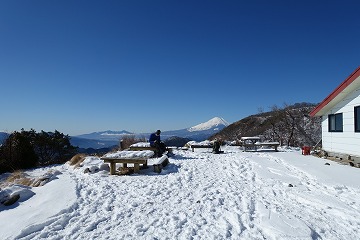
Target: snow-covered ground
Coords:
[[199, 195]]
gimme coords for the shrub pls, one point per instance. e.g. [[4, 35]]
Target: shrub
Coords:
[[17, 153], [27, 149]]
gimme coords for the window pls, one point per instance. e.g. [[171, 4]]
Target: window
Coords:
[[336, 122], [357, 118]]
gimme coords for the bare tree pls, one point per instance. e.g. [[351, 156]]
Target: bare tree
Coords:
[[128, 140]]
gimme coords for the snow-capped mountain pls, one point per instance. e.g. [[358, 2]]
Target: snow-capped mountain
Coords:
[[198, 132], [214, 124], [109, 138]]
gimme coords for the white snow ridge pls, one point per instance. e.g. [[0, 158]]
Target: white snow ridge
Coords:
[[212, 123]]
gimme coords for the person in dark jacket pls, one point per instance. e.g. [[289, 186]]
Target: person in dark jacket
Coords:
[[216, 146], [156, 142]]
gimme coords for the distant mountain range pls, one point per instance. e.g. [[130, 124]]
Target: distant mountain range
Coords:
[[110, 138], [105, 135]]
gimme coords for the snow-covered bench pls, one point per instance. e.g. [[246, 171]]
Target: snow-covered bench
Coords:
[[160, 162], [267, 144], [127, 157], [204, 144], [253, 143], [200, 146], [140, 146]]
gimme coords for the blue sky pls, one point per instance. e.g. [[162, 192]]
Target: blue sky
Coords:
[[84, 66]]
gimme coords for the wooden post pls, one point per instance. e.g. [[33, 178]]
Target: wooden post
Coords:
[[157, 168], [136, 168], [121, 145], [112, 168]]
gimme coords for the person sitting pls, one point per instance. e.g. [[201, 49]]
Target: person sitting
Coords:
[[156, 142], [216, 146]]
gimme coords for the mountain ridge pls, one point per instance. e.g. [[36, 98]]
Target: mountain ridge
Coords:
[[109, 138], [290, 125]]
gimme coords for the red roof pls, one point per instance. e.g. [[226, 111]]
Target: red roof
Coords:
[[353, 76]]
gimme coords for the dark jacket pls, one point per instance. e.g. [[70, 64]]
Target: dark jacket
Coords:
[[153, 138]]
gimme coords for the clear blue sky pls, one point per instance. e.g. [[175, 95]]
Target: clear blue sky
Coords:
[[84, 66]]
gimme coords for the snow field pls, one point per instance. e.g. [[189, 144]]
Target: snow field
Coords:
[[200, 195]]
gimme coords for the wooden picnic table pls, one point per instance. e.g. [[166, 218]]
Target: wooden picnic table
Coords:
[[127, 157], [253, 143], [136, 158], [125, 161]]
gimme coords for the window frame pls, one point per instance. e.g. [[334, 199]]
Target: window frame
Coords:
[[335, 122], [357, 118]]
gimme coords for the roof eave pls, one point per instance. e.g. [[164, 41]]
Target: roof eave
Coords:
[[338, 94]]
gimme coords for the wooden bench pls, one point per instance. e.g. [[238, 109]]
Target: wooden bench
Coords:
[[255, 146], [125, 161], [136, 148], [145, 146], [269, 144], [253, 143], [200, 146], [160, 163]]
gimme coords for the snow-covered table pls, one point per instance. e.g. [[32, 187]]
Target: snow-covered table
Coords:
[[125, 157], [136, 158]]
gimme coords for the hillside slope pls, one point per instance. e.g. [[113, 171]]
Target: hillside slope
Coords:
[[290, 125]]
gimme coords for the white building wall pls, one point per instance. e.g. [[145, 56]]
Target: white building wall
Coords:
[[348, 141]]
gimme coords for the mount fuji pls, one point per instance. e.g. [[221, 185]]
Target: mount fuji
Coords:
[[213, 124], [199, 132], [110, 138]]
